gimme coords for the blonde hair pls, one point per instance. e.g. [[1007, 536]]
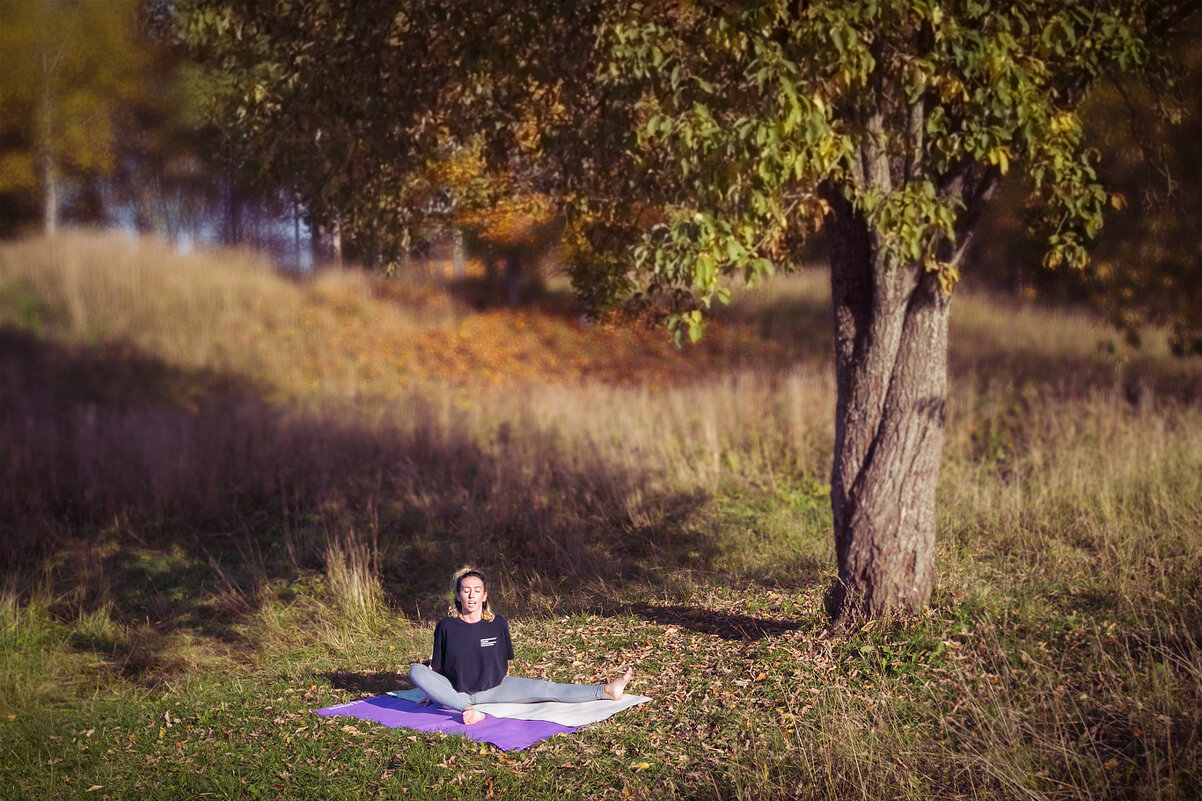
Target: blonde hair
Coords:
[[460, 575]]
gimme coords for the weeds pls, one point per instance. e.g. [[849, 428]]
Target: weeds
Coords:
[[350, 571]]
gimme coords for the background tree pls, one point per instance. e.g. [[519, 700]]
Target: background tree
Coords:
[[1143, 271], [71, 71], [356, 107]]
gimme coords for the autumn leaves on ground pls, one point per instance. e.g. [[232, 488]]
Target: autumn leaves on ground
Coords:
[[229, 497]]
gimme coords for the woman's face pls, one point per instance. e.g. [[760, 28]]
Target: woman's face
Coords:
[[471, 595]]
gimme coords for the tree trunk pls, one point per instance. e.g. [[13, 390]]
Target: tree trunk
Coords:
[[49, 194], [49, 167], [234, 233], [326, 242], [891, 377], [513, 280], [458, 256], [336, 240]]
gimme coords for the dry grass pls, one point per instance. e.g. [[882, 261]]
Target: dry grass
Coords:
[[205, 464]]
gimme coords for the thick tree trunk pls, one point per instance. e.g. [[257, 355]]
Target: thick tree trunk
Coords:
[[891, 376]]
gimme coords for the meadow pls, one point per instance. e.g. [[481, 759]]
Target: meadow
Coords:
[[231, 496]]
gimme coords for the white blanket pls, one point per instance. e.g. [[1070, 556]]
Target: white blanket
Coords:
[[580, 714]]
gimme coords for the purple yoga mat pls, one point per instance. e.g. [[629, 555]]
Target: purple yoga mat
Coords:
[[507, 734]]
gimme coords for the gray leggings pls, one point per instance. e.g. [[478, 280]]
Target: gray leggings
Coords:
[[511, 690]]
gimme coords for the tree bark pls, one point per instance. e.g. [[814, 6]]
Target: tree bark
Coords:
[[513, 280], [234, 232], [890, 322], [49, 167], [458, 255], [49, 194], [336, 240]]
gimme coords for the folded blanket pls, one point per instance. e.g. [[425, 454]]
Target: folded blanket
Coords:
[[510, 727], [580, 714]]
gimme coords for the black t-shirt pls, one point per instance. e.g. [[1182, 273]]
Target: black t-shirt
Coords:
[[473, 656]]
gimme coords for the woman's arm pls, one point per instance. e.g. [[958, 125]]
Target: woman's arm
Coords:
[[440, 647], [508, 643]]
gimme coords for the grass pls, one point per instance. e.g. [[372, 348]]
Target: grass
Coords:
[[229, 497]]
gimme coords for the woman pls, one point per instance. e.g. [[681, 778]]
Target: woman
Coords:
[[470, 663]]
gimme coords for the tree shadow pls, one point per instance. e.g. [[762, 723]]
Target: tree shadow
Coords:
[[176, 502], [724, 625], [376, 683]]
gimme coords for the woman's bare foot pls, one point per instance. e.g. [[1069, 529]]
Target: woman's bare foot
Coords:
[[472, 715], [613, 690]]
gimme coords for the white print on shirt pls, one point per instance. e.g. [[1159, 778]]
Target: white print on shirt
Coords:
[[488, 642]]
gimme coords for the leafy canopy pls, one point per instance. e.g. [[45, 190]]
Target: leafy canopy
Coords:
[[708, 139], [749, 120], [386, 116], [71, 74]]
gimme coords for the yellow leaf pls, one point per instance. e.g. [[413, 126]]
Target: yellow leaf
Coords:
[[1001, 157]]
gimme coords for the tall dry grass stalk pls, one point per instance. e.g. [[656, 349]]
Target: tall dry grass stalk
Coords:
[[350, 570]]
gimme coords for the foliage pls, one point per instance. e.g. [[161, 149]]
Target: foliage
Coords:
[[1142, 273], [749, 121], [1146, 270], [709, 138], [73, 74], [380, 115]]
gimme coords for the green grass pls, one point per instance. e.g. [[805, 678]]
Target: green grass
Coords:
[[203, 546]]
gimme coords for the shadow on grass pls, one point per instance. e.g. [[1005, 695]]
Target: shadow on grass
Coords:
[[724, 625], [373, 683], [178, 502]]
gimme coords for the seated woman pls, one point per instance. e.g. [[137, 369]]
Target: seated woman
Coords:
[[470, 663]]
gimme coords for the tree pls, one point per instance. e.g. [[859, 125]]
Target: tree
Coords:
[[1146, 268], [693, 141], [889, 124], [1143, 271], [356, 107], [70, 69]]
